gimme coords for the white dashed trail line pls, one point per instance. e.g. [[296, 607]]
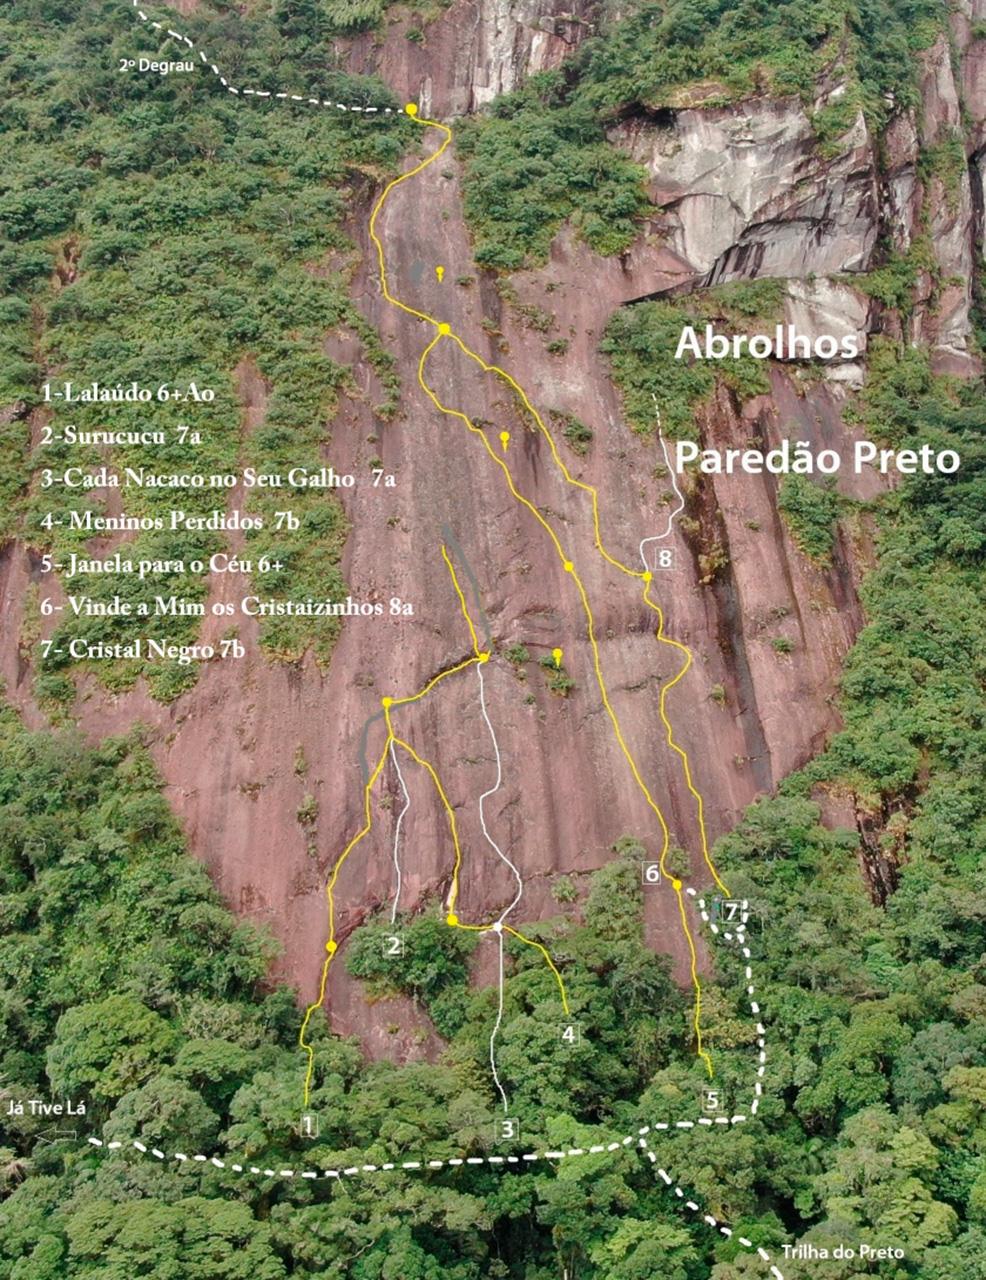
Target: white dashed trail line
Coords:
[[258, 93], [531, 1157]]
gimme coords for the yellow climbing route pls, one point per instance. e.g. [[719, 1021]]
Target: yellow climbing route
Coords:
[[388, 705], [444, 330]]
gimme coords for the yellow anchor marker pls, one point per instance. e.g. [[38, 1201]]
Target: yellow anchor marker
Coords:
[[439, 271], [556, 654], [504, 440]]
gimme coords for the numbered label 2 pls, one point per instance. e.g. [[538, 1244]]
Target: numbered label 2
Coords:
[[393, 944], [506, 1130], [570, 1033]]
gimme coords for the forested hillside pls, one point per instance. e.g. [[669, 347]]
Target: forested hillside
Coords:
[[128, 986], [150, 224]]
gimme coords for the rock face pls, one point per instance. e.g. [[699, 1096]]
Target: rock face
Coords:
[[478, 49], [742, 193], [745, 193], [819, 306]]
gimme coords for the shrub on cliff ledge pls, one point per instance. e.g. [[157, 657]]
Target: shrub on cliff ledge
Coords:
[[537, 161]]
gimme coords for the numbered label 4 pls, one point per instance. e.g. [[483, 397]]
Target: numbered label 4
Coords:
[[571, 1033]]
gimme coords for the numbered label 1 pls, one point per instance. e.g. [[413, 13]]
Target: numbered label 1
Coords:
[[650, 873], [664, 558], [506, 1130], [393, 944], [308, 1126], [571, 1034], [710, 1099]]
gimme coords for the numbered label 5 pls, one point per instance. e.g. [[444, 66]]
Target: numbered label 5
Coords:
[[393, 944], [710, 1099]]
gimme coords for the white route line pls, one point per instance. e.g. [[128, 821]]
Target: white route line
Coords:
[[498, 929], [259, 93], [397, 832], [498, 926], [479, 1160], [659, 537], [492, 791]]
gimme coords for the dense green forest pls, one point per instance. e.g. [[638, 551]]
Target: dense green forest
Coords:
[[126, 984], [156, 233]]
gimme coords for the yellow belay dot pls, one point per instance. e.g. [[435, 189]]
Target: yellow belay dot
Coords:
[[389, 704], [556, 654], [645, 577]]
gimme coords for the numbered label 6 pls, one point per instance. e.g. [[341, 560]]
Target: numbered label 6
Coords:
[[650, 873]]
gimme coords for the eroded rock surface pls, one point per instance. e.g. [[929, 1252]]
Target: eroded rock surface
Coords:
[[746, 194], [742, 192]]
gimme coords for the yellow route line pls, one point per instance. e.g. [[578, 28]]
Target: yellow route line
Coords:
[[411, 173], [697, 1020], [444, 330], [402, 702], [671, 742], [454, 890], [551, 964], [462, 601], [331, 946]]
